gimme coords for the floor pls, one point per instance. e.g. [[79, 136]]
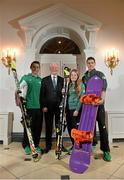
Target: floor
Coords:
[[13, 165]]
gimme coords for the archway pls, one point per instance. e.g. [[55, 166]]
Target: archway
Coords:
[[62, 21], [61, 50]]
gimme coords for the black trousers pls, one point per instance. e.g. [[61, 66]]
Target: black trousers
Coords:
[[53, 112], [36, 127], [71, 122], [104, 143]]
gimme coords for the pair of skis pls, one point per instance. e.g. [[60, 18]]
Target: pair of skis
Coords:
[[62, 121], [26, 120]]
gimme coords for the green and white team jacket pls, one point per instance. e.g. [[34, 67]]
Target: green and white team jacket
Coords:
[[30, 90]]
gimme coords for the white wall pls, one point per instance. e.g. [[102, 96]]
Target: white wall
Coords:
[[110, 13], [114, 95]]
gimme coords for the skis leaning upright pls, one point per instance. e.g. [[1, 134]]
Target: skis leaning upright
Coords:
[[10, 62], [62, 122], [26, 120]]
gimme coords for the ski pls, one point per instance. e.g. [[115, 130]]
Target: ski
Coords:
[[62, 121], [26, 120]]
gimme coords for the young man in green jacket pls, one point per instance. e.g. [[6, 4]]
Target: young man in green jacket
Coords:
[[30, 90], [104, 143]]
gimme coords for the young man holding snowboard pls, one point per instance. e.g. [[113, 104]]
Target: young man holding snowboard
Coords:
[[104, 144]]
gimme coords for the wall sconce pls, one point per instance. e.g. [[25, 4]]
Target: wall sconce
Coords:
[[111, 59], [8, 58]]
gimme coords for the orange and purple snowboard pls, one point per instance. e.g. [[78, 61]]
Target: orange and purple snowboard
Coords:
[[81, 155]]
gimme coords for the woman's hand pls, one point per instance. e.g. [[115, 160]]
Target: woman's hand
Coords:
[[75, 113], [45, 109]]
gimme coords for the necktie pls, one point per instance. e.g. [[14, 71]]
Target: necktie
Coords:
[[54, 82]]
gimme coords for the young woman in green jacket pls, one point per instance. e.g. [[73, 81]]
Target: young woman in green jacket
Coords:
[[75, 89]]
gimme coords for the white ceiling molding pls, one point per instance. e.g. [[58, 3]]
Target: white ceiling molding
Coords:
[[59, 20]]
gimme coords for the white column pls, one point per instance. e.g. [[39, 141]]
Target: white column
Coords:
[[89, 52], [81, 65]]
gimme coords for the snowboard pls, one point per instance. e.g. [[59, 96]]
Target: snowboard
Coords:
[[81, 155]]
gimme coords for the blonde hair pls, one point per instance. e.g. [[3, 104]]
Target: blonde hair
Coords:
[[77, 82]]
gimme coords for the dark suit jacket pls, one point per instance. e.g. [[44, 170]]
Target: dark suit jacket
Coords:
[[48, 95]]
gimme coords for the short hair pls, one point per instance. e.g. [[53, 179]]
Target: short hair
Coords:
[[91, 58], [35, 62], [54, 63]]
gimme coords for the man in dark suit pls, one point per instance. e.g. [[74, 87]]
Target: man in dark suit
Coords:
[[50, 99]]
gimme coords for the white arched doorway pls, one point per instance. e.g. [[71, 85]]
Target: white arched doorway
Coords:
[[59, 20]]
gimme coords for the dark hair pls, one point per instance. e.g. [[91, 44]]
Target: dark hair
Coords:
[[90, 58], [35, 62]]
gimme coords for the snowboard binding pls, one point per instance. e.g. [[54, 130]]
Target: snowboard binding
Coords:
[[81, 136]]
